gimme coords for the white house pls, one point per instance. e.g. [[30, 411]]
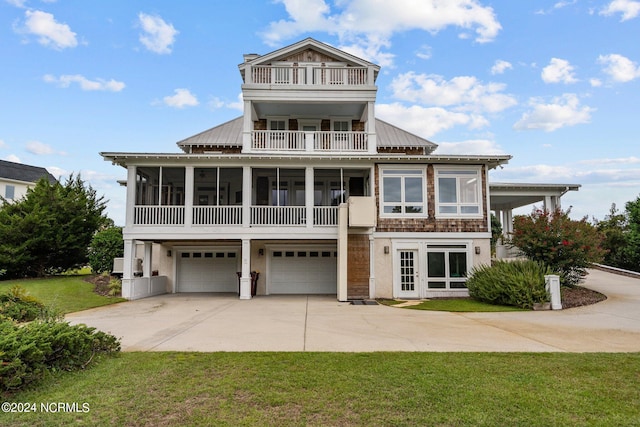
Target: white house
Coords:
[[309, 193], [16, 179]]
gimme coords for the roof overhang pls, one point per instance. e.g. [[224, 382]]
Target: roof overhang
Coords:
[[508, 196], [125, 159]]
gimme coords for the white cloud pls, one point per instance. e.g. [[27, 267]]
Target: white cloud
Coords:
[[618, 161], [464, 93], [558, 71], [628, 8], [371, 23], [217, 103], [2, 144], [501, 66], [563, 111], [58, 173], [17, 3], [158, 36], [50, 33], [85, 84], [182, 98], [13, 158], [619, 68], [473, 146], [39, 148], [424, 52], [595, 82], [426, 122]]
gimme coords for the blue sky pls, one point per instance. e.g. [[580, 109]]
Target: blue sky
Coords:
[[554, 83]]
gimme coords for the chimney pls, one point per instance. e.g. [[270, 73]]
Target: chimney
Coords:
[[250, 57]]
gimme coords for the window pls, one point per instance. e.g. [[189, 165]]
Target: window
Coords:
[[446, 266], [459, 192], [277, 125], [402, 192], [10, 192]]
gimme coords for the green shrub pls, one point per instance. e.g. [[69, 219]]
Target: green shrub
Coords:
[[517, 283], [106, 245], [28, 352], [19, 306], [115, 287]]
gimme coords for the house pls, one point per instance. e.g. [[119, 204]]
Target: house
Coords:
[[308, 192], [16, 179]]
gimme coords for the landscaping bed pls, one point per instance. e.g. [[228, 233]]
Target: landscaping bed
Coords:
[[578, 296]]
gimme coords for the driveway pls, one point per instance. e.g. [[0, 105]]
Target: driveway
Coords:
[[207, 322]]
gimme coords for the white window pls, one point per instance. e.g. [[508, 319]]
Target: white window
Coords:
[[341, 126], [458, 193], [402, 192], [10, 192], [277, 125]]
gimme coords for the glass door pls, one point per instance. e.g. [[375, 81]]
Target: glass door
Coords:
[[408, 280]]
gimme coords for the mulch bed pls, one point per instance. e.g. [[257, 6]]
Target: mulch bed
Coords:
[[578, 296], [101, 284]]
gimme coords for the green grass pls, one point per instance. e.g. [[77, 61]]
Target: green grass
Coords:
[[454, 305], [285, 389], [66, 293]]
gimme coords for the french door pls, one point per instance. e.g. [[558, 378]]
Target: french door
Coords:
[[408, 271]]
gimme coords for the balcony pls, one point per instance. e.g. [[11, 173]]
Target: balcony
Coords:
[[323, 216], [310, 75], [318, 141]]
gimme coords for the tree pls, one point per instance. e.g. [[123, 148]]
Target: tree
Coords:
[[632, 248], [565, 245], [50, 228], [614, 228], [106, 245]]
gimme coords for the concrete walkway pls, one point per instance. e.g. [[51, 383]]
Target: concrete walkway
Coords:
[[207, 322]]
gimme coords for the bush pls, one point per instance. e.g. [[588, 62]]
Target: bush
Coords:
[[567, 246], [28, 352], [106, 245], [19, 306], [115, 287], [517, 283]]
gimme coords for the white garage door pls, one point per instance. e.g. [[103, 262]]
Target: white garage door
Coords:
[[208, 271], [303, 271]]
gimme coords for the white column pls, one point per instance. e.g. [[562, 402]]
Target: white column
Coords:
[[188, 196], [246, 128], [509, 220], [147, 263], [127, 269], [372, 270], [343, 249], [372, 145], [309, 187], [246, 196], [131, 195], [245, 280]]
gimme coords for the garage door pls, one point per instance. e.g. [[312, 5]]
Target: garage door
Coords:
[[303, 272], [208, 271]]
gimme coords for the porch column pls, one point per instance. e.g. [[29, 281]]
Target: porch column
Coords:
[[246, 127], [372, 146], [498, 215], [343, 249], [127, 269], [245, 280], [147, 263], [372, 270], [131, 195], [188, 196], [246, 196], [309, 187]]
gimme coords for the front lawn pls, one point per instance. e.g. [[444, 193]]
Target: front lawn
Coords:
[[282, 389], [66, 293], [462, 305]]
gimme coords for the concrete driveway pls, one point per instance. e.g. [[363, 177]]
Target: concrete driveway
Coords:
[[207, 322]]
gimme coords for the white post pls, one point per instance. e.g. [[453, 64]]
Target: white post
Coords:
[[309, 186], [246, 196], [131, 195], [552, 284], [343, 236], [188, 195], [148, 259], [127, 269], [245, 280]]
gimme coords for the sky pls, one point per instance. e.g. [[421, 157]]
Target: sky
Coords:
[[555, 84]]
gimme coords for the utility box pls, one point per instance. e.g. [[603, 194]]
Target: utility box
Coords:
[[552, 283], [362, 211]]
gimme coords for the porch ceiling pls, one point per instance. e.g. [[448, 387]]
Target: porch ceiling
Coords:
[[309, 110]]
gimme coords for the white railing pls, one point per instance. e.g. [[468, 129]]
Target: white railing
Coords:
[[158, 215], [217, 215], [325, 215], [309, 75], [282, 140], [278, 215], [340, 141], [278, 140]]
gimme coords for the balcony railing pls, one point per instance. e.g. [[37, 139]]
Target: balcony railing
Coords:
[[309, 75], [217, 215], [283, 140], [232, 216]]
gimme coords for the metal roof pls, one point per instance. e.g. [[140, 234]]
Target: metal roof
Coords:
[[24, 173], [229, 134]]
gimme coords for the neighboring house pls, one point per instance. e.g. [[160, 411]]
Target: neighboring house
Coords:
[[309, 192], [16, 178]]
